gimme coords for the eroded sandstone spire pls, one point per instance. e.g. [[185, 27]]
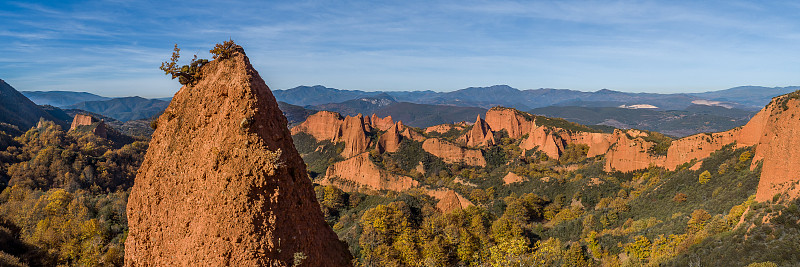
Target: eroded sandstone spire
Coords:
[[222, 184]]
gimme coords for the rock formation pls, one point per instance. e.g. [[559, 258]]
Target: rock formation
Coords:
[[598, 143], [543, 139], [326, 125], [410, 134], [382, 124], [359, 171], [778, 146], [390, 140], [90, 124], [480, 135], [81, 120], [452, 153], [443, 128], [222, 184], [449, 200], [511, 178], [515, 122], [630, 154]]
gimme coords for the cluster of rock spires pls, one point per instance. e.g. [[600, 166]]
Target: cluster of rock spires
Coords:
[[222, 184], [772, 131]]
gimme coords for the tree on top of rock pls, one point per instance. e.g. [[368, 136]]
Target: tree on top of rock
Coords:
[[224, 50], [189, 74]]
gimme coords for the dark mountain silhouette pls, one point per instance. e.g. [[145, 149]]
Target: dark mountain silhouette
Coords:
[[17, 111]]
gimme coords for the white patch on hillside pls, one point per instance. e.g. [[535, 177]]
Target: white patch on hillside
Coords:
[[711, 103], [638, 106]]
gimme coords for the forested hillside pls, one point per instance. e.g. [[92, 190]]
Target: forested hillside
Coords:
[[64, 196]]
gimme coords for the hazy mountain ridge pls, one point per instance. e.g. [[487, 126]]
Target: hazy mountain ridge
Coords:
[[751, 98], [694, 119]]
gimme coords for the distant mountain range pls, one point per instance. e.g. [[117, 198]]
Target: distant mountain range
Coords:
[[678, 123], [747, 97], [751, 96], [672, 114]]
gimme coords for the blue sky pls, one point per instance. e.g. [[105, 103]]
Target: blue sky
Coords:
[[114, 48]]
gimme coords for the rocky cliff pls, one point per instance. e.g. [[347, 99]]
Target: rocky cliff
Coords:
[[449, 200], [452, 153], [81, 120], [390, 140], [515, 122], [359, 171], [546, 140], [326, 125], [443, 128], [778, 146], [89, 124], [382, 124], [629, 153], [222, 184], [480, 135]]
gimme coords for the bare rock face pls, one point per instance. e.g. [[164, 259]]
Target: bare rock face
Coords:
[[87, 123], [449, 200], [81, 120], [779, 147], [390, 140], [452, 153], [515, 122], [323, 125], [544, 140], [326, 125], [222, 184], [630, 154], [598, 143], [407, 132], [443, 128], [382, 124], [511, 178], [359, 171], [480, 135]]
